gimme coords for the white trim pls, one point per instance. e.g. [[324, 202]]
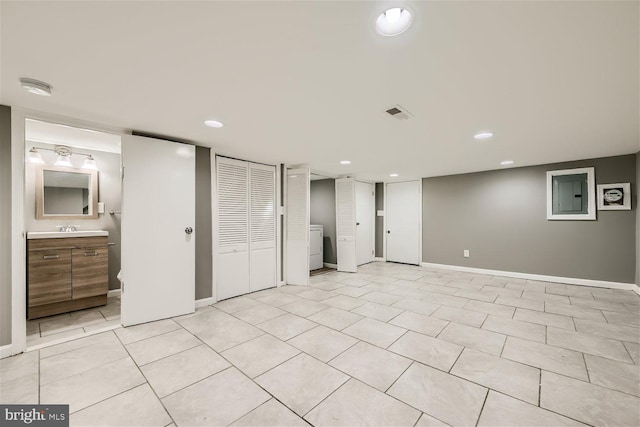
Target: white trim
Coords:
[[114, 293], [636, 289], [279, 219], [205, 302], [328, 265], [18, 246], [5, 351], [72, 338], [214, 225], [591, 189], [18, 249], [539, 277], [379, 259]]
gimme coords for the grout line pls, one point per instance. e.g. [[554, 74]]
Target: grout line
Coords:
[[486, 396]]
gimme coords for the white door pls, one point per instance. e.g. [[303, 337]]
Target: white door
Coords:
[[297, 222], [232, 260], [262, 231], [403, 212], [346, 225], [158, 243], [365, 227]]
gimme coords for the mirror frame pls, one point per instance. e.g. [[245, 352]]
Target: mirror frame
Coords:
[[93, 192]]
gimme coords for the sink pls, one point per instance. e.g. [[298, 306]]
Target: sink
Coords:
[[63, 234]]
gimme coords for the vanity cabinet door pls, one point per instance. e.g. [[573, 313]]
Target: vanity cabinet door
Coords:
[[90, 275], [49, 276]]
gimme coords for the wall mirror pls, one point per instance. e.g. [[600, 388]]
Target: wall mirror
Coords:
[[571, 194], [66, 193]]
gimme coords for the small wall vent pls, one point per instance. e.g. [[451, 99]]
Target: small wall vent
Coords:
[[398, 112]]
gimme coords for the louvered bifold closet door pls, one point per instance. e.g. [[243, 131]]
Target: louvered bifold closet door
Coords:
[[297, 222], [262, 226], [232, 261], [346, 225]]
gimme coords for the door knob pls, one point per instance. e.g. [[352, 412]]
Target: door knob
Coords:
[[188, 230], [357, 223], [388, 231]]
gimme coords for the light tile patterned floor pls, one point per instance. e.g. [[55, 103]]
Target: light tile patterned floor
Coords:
[[391, 345], [73, 325]]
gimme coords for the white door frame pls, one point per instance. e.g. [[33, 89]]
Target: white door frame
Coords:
[[18, 232], [384, 231]]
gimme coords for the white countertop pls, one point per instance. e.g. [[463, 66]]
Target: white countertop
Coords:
[[65, 234]]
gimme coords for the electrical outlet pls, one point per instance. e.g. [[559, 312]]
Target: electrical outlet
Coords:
[[466, 253]]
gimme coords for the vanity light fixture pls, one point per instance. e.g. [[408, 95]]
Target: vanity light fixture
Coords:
[[35, 157], [213, 123], [345, 162], [64, 157], [90, 163], [483, 135], [35, 87], [393, 21]]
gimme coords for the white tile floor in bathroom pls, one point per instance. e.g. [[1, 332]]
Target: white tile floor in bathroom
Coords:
[[392, 345], [71, 325]]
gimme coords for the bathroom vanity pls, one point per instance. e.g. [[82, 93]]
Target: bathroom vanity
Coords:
[[66, 271]]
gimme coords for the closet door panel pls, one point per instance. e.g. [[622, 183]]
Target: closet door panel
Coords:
[[262, 236], [232, 267], [297, 221], [346, 225]]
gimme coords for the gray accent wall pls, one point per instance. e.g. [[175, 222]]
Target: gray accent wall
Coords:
[[5, 225], [637, 192], [109, 192], [323, 212], [500, 216], [204, 235], [379, 220]]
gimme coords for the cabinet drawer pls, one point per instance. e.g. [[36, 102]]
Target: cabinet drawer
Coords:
[[49, 276], [90, 275]]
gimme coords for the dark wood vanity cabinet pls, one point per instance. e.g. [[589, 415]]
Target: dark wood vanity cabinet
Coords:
[[66, 274]]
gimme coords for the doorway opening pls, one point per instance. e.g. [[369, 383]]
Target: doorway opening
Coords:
[[72, 204], [323, 257]]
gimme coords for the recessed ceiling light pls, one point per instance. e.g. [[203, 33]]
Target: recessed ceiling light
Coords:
[[393, 175], [35, 87], [393, 21], [483, 135], [345, 162], [213, 123], [506, 162]]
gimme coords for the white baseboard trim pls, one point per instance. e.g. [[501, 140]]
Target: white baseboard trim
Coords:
[[379, 259], [204, 302], [636, 289], [113, 293], [5, 351], [540, 277], [326, 264]]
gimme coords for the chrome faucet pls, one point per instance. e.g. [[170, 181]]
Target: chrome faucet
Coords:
[[67, 228]]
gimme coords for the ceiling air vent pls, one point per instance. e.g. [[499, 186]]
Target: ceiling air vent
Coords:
[[398, 112]]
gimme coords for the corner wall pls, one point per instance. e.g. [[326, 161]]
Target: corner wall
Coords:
[[323, 212], [634, 189], [5, 225], [500, 216], [204, 236]]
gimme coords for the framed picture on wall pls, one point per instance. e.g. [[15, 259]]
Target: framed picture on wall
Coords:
[[614, 197]]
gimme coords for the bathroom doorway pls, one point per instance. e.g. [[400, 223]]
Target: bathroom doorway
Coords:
[[72, 218]]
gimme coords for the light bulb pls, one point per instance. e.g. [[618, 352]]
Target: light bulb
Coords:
[[64, 161], [393, 15]]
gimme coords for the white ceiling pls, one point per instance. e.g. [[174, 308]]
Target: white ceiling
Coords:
[[308, 82]]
